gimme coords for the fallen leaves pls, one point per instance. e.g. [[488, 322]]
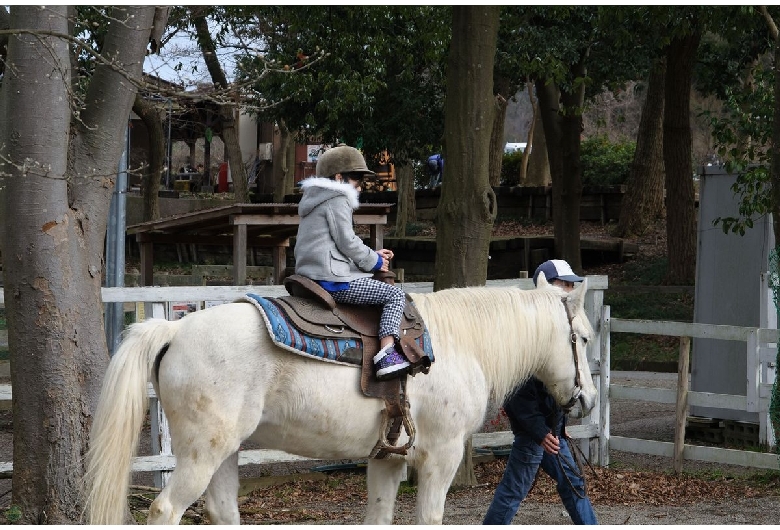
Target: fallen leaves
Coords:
[[343, 496]]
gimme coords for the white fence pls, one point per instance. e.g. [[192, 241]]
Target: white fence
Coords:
[[593, 432]]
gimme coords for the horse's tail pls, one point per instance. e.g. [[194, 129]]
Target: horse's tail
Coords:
[[118, 419]]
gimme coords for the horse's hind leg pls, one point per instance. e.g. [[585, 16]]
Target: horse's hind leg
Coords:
[[383, 477], [222, 493], [188, 481]]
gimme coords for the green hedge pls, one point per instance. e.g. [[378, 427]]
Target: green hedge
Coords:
[[605, 163]]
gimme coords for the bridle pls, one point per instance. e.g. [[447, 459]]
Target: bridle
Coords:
[[573, 340]]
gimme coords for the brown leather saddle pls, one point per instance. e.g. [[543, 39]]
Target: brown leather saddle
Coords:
[[313, 311]]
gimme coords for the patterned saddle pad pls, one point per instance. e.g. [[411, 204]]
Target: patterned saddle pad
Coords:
[[347, 350]]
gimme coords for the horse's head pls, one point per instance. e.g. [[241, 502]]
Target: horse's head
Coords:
[[567, 374]]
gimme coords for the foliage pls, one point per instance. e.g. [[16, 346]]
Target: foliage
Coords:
[[742, 136], [605, 163], [380, 85], [13, 514]]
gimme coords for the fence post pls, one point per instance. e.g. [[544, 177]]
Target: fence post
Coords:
[[604, 378], [682, 402]]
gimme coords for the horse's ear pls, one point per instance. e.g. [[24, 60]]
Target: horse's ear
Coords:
[[541, 281], [577, 295]]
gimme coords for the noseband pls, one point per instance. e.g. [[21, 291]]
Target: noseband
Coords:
[[573, 339]]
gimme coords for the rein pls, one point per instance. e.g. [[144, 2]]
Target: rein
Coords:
[[573, 341]]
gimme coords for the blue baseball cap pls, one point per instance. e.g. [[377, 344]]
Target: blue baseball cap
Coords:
[[556, 269]]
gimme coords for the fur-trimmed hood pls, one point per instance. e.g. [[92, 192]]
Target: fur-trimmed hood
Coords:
[[318, 190]]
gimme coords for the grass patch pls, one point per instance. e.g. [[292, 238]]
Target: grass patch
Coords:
[[631, 351]]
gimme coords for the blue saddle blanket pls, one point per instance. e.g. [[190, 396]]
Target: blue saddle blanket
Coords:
[[342, 351]]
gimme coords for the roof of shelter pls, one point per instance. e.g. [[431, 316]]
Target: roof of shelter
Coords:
[[216, 225]]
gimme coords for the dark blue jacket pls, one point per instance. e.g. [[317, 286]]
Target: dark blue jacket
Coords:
[[532, 411]]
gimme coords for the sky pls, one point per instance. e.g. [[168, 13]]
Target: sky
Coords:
[[180, 61]]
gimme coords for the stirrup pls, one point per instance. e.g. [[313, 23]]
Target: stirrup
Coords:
[[384, 446]]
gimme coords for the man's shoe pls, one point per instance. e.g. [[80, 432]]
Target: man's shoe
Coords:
[[389, 363]]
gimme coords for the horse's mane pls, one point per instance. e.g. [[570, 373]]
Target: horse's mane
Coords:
[[506, 330]]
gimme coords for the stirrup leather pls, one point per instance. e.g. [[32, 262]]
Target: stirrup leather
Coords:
[[389, 434]]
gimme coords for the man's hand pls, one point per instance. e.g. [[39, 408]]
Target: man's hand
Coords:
[[550, 444]]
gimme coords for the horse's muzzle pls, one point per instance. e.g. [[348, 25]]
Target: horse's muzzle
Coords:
[[573, 401]]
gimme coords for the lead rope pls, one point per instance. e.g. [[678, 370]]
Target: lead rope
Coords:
[[578, 472]]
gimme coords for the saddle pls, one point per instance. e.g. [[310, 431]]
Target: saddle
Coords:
[[314, 311]]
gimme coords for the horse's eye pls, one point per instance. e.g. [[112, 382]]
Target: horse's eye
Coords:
[[585, 340]]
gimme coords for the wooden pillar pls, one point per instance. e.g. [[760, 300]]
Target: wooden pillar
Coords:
[[147, 259], [377, 236], [280, 263], [239, 254], [682, 402]]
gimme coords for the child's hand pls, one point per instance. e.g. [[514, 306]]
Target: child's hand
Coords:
[[385, 253]]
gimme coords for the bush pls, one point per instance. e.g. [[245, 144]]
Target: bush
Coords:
[[510, 168], [605, 163]]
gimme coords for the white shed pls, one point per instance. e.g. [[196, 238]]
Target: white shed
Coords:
[[729, 269]]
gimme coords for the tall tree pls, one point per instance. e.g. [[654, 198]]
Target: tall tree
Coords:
[[774, 168], [570, 53], [151, 175], [680, 213], [467, 207], [58, 160], [228, 101], [561, 114], [643, 201]]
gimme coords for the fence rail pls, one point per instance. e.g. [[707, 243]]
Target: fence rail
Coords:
[[593, 433], [760, 351]]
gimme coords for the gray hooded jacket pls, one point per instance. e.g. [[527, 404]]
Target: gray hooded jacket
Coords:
[[327, 247]]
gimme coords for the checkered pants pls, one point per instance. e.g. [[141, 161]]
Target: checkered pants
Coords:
[[374, 292]]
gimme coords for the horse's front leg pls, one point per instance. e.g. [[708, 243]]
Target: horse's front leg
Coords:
[[435, 470], [383, 477]]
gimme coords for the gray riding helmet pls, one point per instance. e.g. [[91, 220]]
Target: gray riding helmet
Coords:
[[342, 159]]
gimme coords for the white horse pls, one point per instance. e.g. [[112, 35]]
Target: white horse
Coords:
[[221, 380]]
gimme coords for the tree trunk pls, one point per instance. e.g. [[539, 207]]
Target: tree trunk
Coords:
[[289, 178], [643, 201], [561, 114], [228, 107], [281, 168], [405, 209], [529, 141], [61, 172], [680, 213], [538, 170], [467, 207], [152, 174], [497, 134], [5, 22]]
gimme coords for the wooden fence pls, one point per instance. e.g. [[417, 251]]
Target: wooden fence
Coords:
[[594, 431]]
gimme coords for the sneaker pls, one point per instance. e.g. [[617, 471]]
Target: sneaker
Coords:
[[389, 363]]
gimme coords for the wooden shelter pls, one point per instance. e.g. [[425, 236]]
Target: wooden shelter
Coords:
[[242, 226]]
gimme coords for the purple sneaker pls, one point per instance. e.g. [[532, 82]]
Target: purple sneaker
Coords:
[[389, 363]]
